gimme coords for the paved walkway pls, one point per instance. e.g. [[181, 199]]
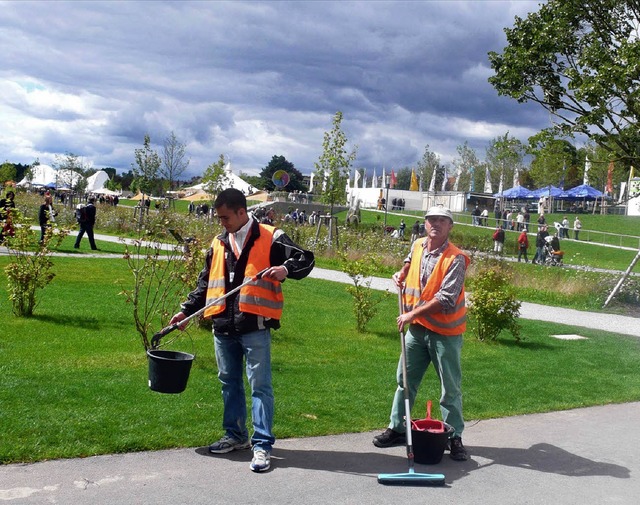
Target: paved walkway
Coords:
[[576, 457]]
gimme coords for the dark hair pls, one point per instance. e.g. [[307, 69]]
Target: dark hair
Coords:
[[10, 193], [233, 198]]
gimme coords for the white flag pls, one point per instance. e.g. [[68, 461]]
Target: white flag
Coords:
[[356, 178], [432, 184], [587, 167], [487, 181], [311, 182], [445, 179], [516, 178], [500, 186], [374, 181]]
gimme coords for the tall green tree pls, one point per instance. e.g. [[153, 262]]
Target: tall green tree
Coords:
[[504, 159], [215, 178], [146, 167], [71, 172], [467, 166], [334, 165], [404, 178], [174, 159], [280, 163], [428, 167], [578, 59], [8, 172], [554, 161]]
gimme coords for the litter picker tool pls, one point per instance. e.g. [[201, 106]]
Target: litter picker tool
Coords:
[[410, 478], [155, 340]]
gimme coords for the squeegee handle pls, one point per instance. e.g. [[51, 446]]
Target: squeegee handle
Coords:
[[155, 340]]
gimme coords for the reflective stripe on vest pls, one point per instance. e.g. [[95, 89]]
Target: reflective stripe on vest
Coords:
[[454, 321], [263, 297]]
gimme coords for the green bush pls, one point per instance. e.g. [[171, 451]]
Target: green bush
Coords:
[[493, 304], [30, 266], [364, 302]]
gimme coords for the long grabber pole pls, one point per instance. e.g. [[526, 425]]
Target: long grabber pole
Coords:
[[155, 340]]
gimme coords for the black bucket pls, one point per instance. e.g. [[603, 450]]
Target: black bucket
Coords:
[[429, 446], [169, 370]]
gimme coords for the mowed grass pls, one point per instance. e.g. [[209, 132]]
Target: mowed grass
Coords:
[[73, 379]]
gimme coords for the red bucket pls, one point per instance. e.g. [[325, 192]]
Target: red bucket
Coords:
[[430, 438]]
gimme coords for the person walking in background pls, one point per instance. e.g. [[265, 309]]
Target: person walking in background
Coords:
[[435, 312], [242, 323], [523, 245], [520, 221], [415, 231], [565, 228], [498, 240], [497, 213], [484, 217], [577, 226], [46, 215], [539, 256], [270, 217], [87, 220]]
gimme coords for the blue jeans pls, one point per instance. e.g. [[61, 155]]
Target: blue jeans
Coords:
[[423, 348], [231, 350]]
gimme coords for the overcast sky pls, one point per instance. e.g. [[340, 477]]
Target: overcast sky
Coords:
[[251, 80]]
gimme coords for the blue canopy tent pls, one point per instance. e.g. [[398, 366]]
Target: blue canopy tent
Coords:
[[514, 193], [583, 191], [546, 191]]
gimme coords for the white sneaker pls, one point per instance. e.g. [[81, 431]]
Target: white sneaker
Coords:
[[228, 444], [261, 461]]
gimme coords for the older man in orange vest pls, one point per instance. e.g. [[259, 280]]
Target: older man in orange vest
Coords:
[[434, 308], [242, 321]]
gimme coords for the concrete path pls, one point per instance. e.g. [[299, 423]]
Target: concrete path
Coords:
[[576, 457]]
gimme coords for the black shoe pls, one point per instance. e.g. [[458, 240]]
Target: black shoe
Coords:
[[457, 450], [389, 438]]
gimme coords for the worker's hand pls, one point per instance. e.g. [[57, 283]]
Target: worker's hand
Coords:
[[177, 318], [398, 279], [278, 273], [403, 320]]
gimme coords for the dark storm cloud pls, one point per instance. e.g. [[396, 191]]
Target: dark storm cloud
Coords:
[[254, 79]]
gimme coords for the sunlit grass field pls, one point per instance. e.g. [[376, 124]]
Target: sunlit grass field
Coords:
[[73, 379]]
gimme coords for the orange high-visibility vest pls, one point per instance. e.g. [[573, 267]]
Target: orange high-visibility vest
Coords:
[[450, 323], [263, 297]]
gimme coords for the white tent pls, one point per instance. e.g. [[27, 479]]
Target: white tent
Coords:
[[97, 181], [43, 175], [237, 182]]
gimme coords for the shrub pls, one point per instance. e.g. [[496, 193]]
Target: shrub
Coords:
[[29, 269], [493, 304], [160, 275], [364, 303]]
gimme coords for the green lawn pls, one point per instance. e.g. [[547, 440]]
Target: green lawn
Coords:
[[73, 379]]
